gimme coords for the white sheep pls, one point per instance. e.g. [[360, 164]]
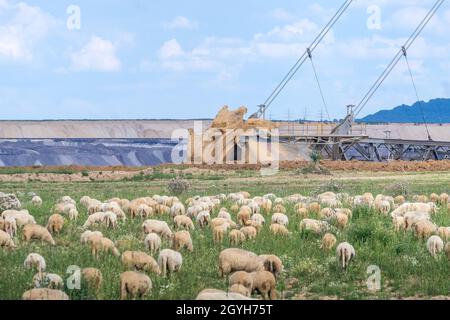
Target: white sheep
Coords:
[[88, 235], [6, 241], [169, 261], [345, 253], [177, 210], [48, 280], [159, 227], [435, 245], [93, 219], [280, 218], [110, 220], [36, 201], [152, 242], [203, 218], [36, 261]]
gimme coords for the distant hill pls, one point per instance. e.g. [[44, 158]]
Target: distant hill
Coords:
[[435, 111]]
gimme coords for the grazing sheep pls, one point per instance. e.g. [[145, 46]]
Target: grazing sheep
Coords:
[[413, 217], [345, 253], [279, 208], [169, 261], [328, 242], [434, 198], [221, 221], [73, 214], [272, 263], [213, 294], [341, 220], [34, 231], [6, 241], [326, 213], [182, 239], [10, 226], [36, 201], [102, 244], [280, 218], [152, 242], [234, 259], [424, 229], [44, 294], [444, 233], [55, 223], [159, 227], [93, 278], [314, 208], [140, 261], [219, 232], [177, 210], [34, 260], [279, 229], [144, 211], [93, 219], [84, 201], [314, 226], [443, 198], [244, 216], [48, 280], [242, 278], [183, 222], [88, 235], [203, 219], [134, 284], [383, 207], [265, 283], [110, 220], [302, 213], [435, 245], [223, 213], [240, 289], [258, 219], [22, 217], [236, 237], [399, 200], [249, 232], [399, 223]]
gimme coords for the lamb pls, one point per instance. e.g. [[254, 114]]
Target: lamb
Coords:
[[424, 229], [36, 201], [234, 259], [280, 219], [236, 237], [213, 294], [152, 242], [140, 261], [265, 283], [88, 235], [444, 233], [278, 229], [159, 227], [48, 280], [6, 241], [44, 294], [242, 278], [183, 221], [36, 261], [345, 253], [34, 231], [249, 232], [203, 219], [314, 226], [272, 264], [102, 244], [169, 261], [328, 242], [182, 239], [93, 278], [435, 245], [134, 284], [93, 219], [55, 223]]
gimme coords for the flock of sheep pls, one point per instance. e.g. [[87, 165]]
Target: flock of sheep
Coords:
[[246, 272]]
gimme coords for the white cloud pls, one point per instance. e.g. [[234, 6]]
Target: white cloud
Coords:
[[281, 14], [26, 28], [97, 55], [170, 49], [181, 22]]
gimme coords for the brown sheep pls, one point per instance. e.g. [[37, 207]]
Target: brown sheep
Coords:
[[101, 244], [314, 208], [93, 278], [424, 229], [434, 198], [272, 264], [302, 213], [399, 200], [244, 216], [278, 229], [44, 294], [182, 239], [242, 278], [6, 241], [140, 261], [328, 242], [136, 284], [236, 237], [443, 198], [279, 208], [34, 231], [55, 223], [265, 283], [447, 250], [444, 233], [183, 222], [341, 220], [250, 232], [240, 289], [234, 259], [219, 233]]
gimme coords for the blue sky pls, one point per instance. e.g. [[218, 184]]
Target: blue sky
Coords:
[[186, 59]]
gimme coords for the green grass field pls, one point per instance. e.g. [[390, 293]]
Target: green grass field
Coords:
[[407, 269]]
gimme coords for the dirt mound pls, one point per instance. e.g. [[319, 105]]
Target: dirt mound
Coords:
[[234, 119]]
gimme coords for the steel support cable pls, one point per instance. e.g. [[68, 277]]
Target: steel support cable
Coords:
[[320, 88], [397, 58], [303, 58], [417, 95]]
